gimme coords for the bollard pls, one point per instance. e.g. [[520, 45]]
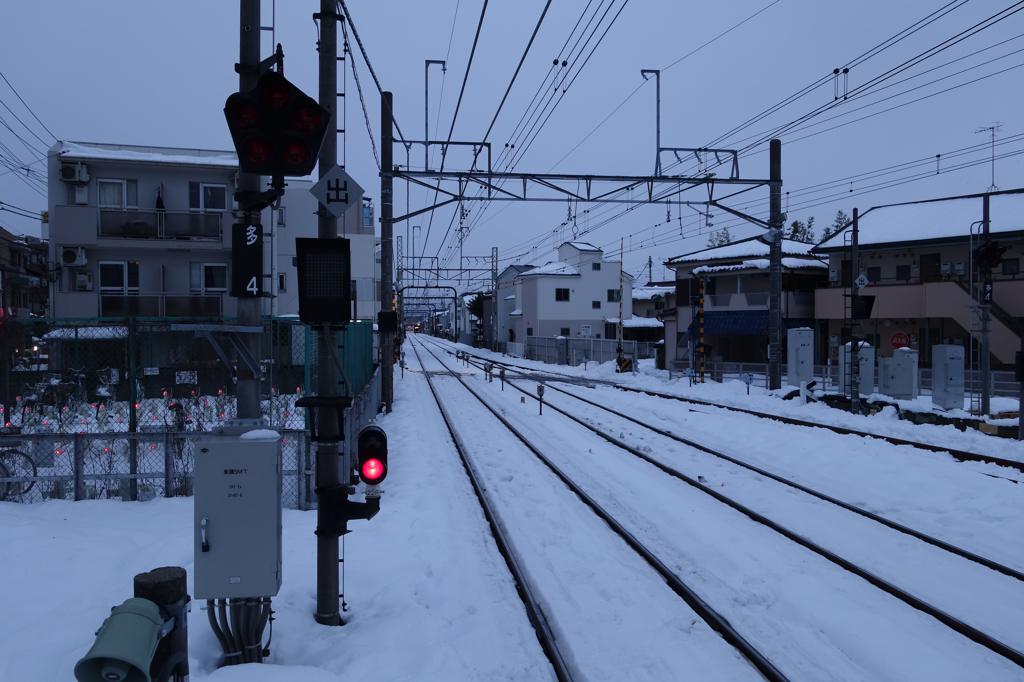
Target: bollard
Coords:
[[502, 378], [540, 396]]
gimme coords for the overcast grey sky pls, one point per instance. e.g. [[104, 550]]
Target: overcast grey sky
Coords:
[[148, 73]]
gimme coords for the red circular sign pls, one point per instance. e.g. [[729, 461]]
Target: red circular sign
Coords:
[[900, 340]]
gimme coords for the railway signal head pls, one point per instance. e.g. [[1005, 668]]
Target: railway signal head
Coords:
[[373, 455], [277, 129]]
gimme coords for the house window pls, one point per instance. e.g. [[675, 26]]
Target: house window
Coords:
[[529, 331], [596, 305], [280, 216], [609, 330], [613, 295], [119, 277], [118, 193], [903, 272], [659, 305], [281, 282], [208, 277], [561, 294], [874, 274], [204, 197], [595, 266], [1011, 266], [564, 331]]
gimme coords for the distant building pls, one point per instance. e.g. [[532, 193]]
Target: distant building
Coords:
[[146, 231], [576, 296], [650, 303], [736, 286], [917, 260], [24, 276]]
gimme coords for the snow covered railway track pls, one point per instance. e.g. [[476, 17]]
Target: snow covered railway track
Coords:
[[993, 643], [535, 609], [962, 455]]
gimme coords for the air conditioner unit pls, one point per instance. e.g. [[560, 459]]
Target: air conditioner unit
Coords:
[[72, 255], [74, 172], [83, 281]]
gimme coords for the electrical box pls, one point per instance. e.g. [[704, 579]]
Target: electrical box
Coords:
[[238, 513], [948, 377], [800, 356], [866, 368], [897, 376]]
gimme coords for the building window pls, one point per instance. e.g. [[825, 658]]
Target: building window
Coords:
[[610, 331], [613, 295], [903, 272], [281, 282], [368, 215], [595, 266], [203, 197], [561, 294], [529, 331], [659, 305], [596, 305], [208, 277], [280, 216], [1011, 266], [118, 193], [119, 277], [874, 274], [564, 331]]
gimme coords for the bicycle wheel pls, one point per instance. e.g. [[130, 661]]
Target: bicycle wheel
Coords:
[[18, 465]]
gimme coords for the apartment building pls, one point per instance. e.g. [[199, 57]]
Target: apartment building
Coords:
[[146, 231], [917, 260], [575, 296], [24, 276], [736, 288]]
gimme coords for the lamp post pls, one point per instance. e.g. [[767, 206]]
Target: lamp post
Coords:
[[657, 86]]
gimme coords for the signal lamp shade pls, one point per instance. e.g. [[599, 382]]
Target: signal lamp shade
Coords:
[[372, 449], [307, 119], [277, 95]]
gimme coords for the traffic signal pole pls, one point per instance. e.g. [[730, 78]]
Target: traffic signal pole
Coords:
[[249, 309], [775, 222], [327, 476], [387, 354]]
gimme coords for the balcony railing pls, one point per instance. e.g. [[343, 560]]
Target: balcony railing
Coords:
[[758, 299], [161, 305], [136, 224]]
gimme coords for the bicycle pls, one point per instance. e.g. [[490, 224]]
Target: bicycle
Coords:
[[15, 464]]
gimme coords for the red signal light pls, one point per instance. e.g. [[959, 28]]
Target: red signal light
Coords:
[[246, 116], [295, 153], [257, 151], [307, 119], [372, 469]]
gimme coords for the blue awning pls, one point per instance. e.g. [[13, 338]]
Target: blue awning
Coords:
[[744, 322]]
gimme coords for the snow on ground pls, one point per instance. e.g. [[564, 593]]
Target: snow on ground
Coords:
[[429, 596]]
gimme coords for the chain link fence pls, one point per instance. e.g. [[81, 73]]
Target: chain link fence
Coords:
[[111, 408]]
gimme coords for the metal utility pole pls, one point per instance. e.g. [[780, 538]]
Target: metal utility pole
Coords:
[[386, 214], [986, 316], [249, 309], [426, 108], [657, 88], [327, 465], [775, 223], [855, 318]]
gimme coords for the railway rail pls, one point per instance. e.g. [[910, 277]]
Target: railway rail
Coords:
[[949, 620]]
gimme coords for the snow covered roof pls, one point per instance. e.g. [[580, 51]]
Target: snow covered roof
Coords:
[[516, 312], [136, 154], [932, 220], [751, 247], [510, 298], [582, 246], [762, 264], [647, 293], [637, 322], [552, 268]]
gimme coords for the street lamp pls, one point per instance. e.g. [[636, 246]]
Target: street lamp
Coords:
[[657, 84]]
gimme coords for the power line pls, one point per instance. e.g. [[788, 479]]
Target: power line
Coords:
[[27, 107]]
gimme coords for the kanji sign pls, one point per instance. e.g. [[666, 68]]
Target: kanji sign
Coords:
[[336, 191], [246, 260], [899, 340]]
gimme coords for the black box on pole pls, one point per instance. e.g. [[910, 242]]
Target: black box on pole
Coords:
[[325, 280]]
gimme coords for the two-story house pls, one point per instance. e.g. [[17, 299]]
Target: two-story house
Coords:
[[650, 303], [24, 275], [575, 296], [146, 231], [917, 260], [736, 288]]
